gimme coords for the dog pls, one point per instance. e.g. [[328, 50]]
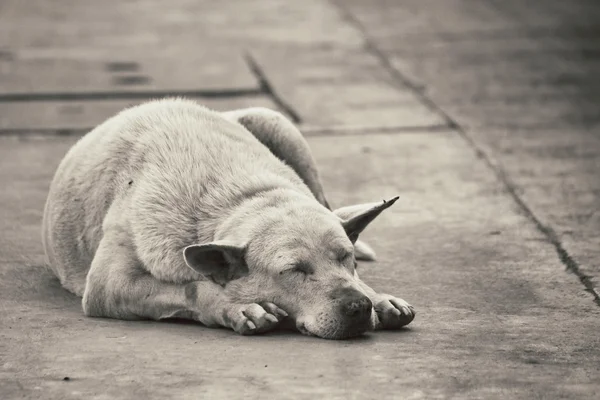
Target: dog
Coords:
[[172, 210]]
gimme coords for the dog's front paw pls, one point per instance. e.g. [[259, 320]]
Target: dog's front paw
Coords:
[[392, 312], [250, 319]]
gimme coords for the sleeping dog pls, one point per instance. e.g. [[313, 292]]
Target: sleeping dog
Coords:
[[171, 210]]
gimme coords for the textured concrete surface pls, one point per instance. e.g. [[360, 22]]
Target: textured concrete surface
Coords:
[[80, 116], [521, 81], [343, 88], [480, 115]]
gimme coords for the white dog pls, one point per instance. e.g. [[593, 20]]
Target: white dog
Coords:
[[169, 209]]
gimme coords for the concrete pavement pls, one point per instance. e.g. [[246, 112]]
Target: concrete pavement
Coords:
[[520, 82], [457, 108]]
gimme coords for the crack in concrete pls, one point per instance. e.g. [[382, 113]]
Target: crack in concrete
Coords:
[[268, 89], [517, 32], [372, 48], [310, 131], [551, 237]]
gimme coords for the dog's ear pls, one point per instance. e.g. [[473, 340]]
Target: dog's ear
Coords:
[[356, 218], [222, 261]]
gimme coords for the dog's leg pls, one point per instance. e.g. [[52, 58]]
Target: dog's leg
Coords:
[[117, 287], [288, 144], [390, 312]]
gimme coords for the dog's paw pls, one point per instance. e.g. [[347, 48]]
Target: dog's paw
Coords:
[[250, 319], [392, 312]]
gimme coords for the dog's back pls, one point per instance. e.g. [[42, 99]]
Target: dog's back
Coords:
[[166, 166]]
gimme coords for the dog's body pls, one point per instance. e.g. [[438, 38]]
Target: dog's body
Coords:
[[172, 210]]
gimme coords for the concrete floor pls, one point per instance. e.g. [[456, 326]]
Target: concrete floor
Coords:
[[482, 117]]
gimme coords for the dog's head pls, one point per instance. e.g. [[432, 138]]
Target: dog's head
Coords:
[[299, 256]]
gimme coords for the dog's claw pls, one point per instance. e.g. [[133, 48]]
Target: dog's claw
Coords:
[[273, 309], [392, 312], [249, 319], [271, 318]]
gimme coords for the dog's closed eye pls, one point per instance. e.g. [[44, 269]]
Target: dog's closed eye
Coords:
[[344, 256], [299, 268]]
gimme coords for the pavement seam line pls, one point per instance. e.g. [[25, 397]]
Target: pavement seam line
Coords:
[[26, 132], [308, 131], [316, 131], [267, 88], [535, 32], [372, 48], [127, 95], [551, 237]]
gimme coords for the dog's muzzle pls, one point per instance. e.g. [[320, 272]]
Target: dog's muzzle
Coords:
[[356, 309], [351, 316]]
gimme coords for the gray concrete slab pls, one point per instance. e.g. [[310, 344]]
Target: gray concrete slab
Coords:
[[479, 79], [426, 17], [557, 175], [342, 88], [71, 46], [312, 58], [83, 115], [497, 315], [521, 82], [32, 71], [199, 24]]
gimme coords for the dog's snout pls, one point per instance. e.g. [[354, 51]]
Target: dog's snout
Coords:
[[356, 306]]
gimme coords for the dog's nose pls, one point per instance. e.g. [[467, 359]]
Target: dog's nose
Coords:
[[357, 307]]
